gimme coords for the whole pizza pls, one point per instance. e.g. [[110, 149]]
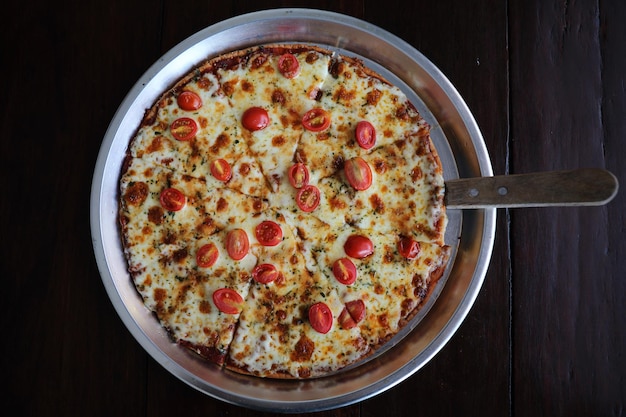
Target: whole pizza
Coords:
[[281, 211]]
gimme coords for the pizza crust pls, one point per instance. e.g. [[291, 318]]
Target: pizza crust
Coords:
[[269, 333]]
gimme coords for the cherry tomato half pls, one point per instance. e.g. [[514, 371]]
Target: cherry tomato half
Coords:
[[365, 134], [268, 233], [298, 175], [345, 321], [308, 198], [207, 255], [345, 271], [255, 118], [172, 200], [184, 129], [228, 301], [316, 120], [289, 66], [358, 173], [321, 317], [188, 100], [356, 308], [265, 273], [358, 246], [220, 169], [353, 313], [408, 247], [237, 244]]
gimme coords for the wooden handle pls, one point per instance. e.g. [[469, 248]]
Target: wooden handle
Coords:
[[580, 187]]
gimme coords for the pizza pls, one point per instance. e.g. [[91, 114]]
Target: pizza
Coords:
[[282, 211]]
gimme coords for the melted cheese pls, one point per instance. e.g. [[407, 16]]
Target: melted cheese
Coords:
[[405, 198], [272, 335], [390, 285], [286, 100], [274, 323], [351, 96]]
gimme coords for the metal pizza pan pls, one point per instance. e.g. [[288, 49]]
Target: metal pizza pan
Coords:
[[470, 233]]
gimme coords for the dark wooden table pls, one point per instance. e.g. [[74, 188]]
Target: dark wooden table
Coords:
[[546, 82]]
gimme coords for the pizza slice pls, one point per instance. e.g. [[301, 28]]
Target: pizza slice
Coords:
[[289, 325], [398, 189], [181, 259], [364, 112], [194, 132], [156, 201], [269, 92], [197, 294], [380, 279]]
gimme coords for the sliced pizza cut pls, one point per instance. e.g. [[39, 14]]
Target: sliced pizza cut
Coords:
[[180, 138], [269, 92], [389, 190], [364, 111], [198, 293], [195, 132], [152, 211], [281, 211], [289, 325], [197, 273], [159, 205], [381, 279]]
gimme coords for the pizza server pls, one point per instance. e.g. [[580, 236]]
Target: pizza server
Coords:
[[579, 187]]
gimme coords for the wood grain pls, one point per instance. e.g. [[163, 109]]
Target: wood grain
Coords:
[[545, 81], [567, 283]]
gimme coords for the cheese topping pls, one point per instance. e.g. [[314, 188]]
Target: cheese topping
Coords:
[[207, 202]]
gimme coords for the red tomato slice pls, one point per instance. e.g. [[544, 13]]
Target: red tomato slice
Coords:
[[172, 200], [289, 66], [358, 173], [352, 313], [321, 317], [298, 175], [345, 321], [316, 120], [356, 309], [345, 271], [184, 129], [365, 134], [207, 255], [308, 198], [228, 301], [220, 169], [188, 100], [237, 244], [265, 273], [268, 233], [408, 247], [255, 118], [358, 246]]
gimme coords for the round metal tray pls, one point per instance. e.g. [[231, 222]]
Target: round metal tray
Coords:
[[470, 232]]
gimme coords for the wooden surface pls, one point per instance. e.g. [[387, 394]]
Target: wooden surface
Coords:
[[546, 83]]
